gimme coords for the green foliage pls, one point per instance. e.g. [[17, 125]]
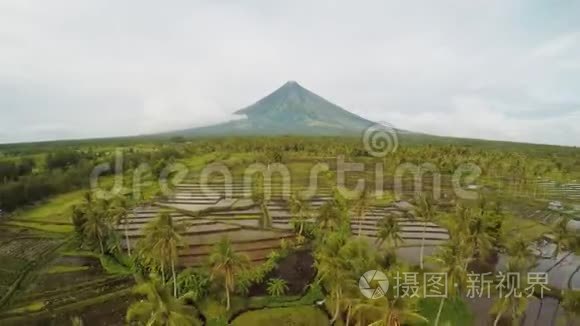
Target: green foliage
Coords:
[[571, 304], [58, 269], [158, 307], [293, 316], [277, 287], [226, 266], [455, 312], [193, 283], [113, 266]]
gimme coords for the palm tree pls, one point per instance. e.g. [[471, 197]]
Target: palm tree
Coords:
[[390, 310], [329, 216], [514, 303], [300, 210], [259, 198], [426, 212], [479, 236], [119, 213], [357, 256], [561, 233], [389, 232], [453, 259], [331, 267], [519, 250], [227, 264], [361, 206], [350, 300], [76, 321], [334, 276], [161, 242], [277, 287], [571, 305], [97, 227], [158, 307], [193, 284]]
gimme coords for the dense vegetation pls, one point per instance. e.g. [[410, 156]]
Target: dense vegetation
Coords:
[[230, 287]]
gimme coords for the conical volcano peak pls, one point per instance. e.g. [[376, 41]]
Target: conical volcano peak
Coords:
[[291, 84], [292, 109]]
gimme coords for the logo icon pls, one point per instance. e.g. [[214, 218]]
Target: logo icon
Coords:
[[380, 139], [370, 279]]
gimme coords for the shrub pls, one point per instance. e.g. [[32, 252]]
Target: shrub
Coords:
[[293, 316]]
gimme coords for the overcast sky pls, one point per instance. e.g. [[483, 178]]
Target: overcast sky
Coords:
[[502, 69]]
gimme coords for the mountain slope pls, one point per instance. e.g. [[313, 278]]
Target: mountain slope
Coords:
[[292, 110]]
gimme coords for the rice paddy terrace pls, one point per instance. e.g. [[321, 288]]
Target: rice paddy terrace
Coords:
[[41, 282], [64, 284], [209, 215]]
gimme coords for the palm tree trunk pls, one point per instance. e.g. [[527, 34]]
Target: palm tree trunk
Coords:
[[227, 295], [439, 312], [174, 278], [423, 245], [101, 245], [127, 238], [337, 308], [348, 315], [497, 318]]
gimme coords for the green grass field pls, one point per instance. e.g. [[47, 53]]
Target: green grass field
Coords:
[[295, 316], [56, 209]]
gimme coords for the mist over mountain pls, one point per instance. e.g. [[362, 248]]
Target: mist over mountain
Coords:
[[289, 110]]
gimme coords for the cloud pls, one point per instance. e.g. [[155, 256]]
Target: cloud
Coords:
[[97, 68], [561, 45]]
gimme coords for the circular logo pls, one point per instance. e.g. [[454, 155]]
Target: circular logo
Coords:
[[380, 139], [370, 279]]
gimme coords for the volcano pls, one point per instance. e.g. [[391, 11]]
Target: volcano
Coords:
[[289, 110]]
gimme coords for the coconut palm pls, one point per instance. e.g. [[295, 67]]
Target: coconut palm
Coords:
[[76, 321], [350, 300], [516, 304], [361, 206], [193, 284], [118, 213], [300, 210], [329, 216], [561, 233], [571, 305], [479, 236], [519, 250], [358, 256], [331, 268], [227, 265], [332, 273], [391, 310], [160, 244], [426, 212], [97, 226], [389, 232], [158, 307], [453, 258], [259, 198], [277, 287]]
